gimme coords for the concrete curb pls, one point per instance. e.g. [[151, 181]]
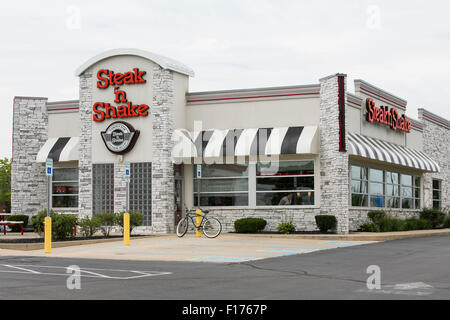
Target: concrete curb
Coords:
[[61, 244], [366, 236]]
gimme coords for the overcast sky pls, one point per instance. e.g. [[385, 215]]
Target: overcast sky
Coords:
[[400, 46]]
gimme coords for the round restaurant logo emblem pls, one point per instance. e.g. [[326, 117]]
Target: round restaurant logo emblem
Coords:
[[120, 137]]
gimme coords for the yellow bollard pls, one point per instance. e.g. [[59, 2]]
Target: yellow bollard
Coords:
[[198, 220], [126, 229], [48, 235]]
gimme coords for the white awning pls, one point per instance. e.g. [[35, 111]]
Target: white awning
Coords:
[[59, 149], [244, 142], [376, 149]]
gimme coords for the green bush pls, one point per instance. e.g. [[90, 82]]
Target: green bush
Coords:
[[376, 216], [38, 221], [435, 217], [88, 226], [369, 227], [63, 226], [107, 220], [447, 222], [18, 217], [286, 226], [136, 219], [249, 225], [417, 224], [326, 222]]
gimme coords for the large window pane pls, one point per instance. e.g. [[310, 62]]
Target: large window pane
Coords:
[[359, 173], [376, 201], [65, 174], [392, 202], [221, 185], [359, 200], [285, 168], [359, 186], [283, 198], [65, 202], [60, 188], [224, 170], [406, 180], [392, 177], [392, 190], [376, 188], [407, 203], [288, 183], [376, 175], [225, 200], [406, 192]]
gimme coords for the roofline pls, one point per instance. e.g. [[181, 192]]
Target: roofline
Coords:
[[385, 95], [164, 62]]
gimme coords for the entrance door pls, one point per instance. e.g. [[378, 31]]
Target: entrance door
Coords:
[[178, 193]]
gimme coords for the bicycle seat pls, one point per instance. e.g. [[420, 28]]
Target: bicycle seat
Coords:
[[205, 210]]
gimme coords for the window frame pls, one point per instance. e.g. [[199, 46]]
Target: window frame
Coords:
[[439, 190], [65, 195]]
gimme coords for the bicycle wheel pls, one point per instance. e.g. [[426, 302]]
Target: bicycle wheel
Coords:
[[182, 227], [211, 227]]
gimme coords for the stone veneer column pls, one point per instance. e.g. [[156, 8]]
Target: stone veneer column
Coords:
[[334, 181], [28, 179], [436, 145], [120, 187], [162, 166], [85, 147]]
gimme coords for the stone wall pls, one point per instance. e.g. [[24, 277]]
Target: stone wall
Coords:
[[28, 179], [303, 219], [120, 187], [436, 137], [85, 146], [162, 166], [334, 181]]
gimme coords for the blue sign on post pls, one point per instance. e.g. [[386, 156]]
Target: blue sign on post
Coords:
[[49, 167], [199, 171], [127, 172]]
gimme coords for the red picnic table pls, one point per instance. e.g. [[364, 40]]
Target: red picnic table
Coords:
[[5, 223]]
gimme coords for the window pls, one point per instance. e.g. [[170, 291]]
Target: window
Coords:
[[290, 183], [65, 188], [437, 185], [103, 188], [384, 189], [222, 185], [359, 190]]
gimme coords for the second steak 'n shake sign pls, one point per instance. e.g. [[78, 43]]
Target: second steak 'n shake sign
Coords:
[[104, 110]]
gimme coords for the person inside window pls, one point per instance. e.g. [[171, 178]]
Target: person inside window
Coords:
[[286, 200]]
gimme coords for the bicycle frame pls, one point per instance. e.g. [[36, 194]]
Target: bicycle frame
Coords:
[[194, 215]]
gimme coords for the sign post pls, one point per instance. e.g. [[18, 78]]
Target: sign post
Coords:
[[48, 219], [198, 211], [126, 216]]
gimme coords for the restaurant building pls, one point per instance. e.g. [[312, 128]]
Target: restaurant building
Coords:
[[276, 153]]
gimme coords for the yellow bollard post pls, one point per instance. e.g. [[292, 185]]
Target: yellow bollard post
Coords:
[[126, 229], [198, 220], [48, 235]]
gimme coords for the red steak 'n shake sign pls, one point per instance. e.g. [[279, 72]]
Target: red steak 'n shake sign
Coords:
[[386, 116], [107, 78]]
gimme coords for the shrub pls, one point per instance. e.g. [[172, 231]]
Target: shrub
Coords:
[[286, 226], [136, 219], [249, 225], [18, 217], [447, 222], [435, 217], [63, 226], [38, 221], [376, 216], [416, 224], [369, 227], [325, 222], [107, 220], [89, 226]]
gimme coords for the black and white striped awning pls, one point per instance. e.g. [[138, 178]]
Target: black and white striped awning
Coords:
[[245, 142], [59, 149], [388, 152]]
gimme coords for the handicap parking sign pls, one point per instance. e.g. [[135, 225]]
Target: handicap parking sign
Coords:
[[49, 167]]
